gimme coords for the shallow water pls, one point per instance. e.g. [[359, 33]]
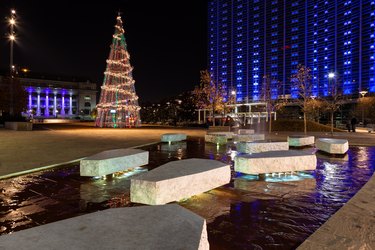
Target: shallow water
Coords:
[[271, 212]]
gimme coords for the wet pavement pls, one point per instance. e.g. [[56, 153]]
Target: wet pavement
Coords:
[[268, 212]]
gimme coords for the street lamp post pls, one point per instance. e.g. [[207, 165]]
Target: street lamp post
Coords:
[[234, 94], [331, 76], [12, 38], [363, 93]]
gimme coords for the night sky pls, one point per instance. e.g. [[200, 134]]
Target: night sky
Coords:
[[166, 40]]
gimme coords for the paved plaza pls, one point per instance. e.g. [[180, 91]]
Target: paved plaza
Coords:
[[53, 144], [25, 150], [59, 143]]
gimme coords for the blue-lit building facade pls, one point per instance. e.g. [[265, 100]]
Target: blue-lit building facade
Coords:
[[248, 39]]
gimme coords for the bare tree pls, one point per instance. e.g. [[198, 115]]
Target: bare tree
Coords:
[[209, 94], [366, 108], [269, 95], [302, 84], [334, 100], [314, 107]]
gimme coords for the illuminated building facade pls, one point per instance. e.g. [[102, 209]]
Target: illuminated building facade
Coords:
[[249, 39], [58, 98]]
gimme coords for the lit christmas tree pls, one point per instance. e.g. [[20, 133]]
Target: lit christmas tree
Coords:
[[118, 105]]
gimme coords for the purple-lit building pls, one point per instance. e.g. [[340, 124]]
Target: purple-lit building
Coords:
[[60, 98]]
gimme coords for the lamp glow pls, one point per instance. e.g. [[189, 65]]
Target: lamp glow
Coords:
[[363, 93], [331, 75]]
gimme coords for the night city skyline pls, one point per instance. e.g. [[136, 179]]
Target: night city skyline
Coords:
[[72, 39], [251, 39]]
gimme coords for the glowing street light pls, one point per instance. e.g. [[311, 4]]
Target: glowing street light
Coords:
[[12, 38], [363, 93], [235, 100], [331, 75]]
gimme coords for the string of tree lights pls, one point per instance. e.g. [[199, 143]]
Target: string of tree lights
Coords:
[[118, 105]]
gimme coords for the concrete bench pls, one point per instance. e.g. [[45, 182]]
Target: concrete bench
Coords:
[[229, 135], [145, 227], [332, 146], [248, 137], [178, 180], [300, 140], [216, 138], [259, 146], [246, 131], [111, 161], [275, 162], [172, 137]]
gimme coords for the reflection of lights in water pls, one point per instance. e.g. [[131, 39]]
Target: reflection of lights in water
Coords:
[[123, 174], [287, 177], [329, 170], [362, 154], [250, 177], [306, 175], [279, 177], [232, 153], [179, 153], [329, 166]]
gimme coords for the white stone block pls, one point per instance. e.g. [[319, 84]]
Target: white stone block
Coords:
[[111, 161], [171, 137], [246, 131], [178, 180], [248, 137], [300, 140], [332, 146], [144, 227], [217, 139], [258, 147], [275, 162], [229, 135]]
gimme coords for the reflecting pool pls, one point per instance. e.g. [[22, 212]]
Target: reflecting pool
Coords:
[[275, 211]]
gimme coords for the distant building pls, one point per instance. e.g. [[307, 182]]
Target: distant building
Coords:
[[55, 97], [249, 39]]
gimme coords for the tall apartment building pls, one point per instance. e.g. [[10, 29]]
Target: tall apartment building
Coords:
[[249, 39]]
